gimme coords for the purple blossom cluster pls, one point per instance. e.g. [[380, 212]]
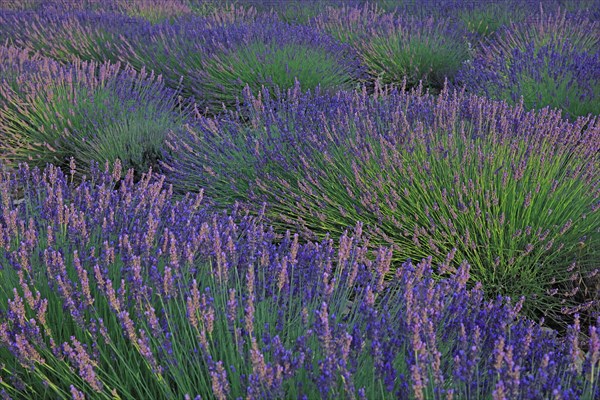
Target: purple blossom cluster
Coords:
[[111, 275]]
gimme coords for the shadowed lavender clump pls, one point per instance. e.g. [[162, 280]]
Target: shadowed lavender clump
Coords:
[[516, 193], [123, 292], [154, 11], [84, 110], [178, 50]]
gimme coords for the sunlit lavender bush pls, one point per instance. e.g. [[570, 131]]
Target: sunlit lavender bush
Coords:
[[554, 62], [396, 47], [84, 110], [124, 293], [515, 194]]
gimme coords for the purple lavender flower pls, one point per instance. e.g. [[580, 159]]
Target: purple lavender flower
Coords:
[[355, 337]]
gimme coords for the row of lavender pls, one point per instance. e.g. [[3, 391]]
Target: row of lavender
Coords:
[[547, 56], [116, 290], [210, 60]]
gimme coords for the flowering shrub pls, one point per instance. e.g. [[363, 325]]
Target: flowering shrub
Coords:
[[85, 110], [548, 28], [540, 77], [123, 292], [51, 5], [397, 47], [274, 54], [154, 11], [486, 18], [516, 194]]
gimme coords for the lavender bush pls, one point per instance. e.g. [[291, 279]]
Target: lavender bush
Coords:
[[395, 47], [515, 193], [51, 5], [540, 77], [154, 11], [85, 110], [274, 54], [179, 51], [123, 292], [546, 28], [293, 11], [486, 18]]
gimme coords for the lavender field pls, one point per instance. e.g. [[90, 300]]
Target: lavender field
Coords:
[[299, 199]]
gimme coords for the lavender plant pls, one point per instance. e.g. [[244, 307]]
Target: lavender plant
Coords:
[[554, 28], [540, 77], [395, 47], [486, 18], [349, 24], [177, 51], [86, 110], [274, 54], [514, 192], [127, 293], [300, 11], [50, 5]]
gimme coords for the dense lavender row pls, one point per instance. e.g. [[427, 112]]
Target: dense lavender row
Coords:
[[151, 10], [125, 293], [84, 110], [515, 193], [216, 63], [213, 56], [210, 58]]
